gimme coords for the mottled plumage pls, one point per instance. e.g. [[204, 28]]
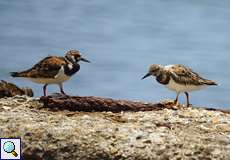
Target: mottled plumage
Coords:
[[46, 68], [178, 78], [53, 69], [187, 76]]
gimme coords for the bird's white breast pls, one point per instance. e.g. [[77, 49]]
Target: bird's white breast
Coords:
[[172, 85], [59, 78]]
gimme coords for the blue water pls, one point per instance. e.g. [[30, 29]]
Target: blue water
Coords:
[[121, 38]]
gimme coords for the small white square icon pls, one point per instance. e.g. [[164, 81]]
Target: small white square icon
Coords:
[[10, 148]]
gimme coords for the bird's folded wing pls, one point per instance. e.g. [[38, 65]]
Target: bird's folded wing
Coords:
[[186, 75], [46, 68]]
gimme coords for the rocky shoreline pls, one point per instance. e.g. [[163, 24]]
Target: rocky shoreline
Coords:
[[187, 133]]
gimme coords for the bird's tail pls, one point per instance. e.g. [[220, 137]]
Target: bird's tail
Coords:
[[16, 74], [20, 74], [211, 83]]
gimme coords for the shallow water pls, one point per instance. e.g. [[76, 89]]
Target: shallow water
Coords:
[[121, 38]]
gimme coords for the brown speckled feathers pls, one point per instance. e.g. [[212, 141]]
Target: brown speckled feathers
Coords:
[[53, 70], [178, 78], [46, 68], [187, 76]]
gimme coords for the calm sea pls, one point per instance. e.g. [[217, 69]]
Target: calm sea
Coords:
[[121, 38]]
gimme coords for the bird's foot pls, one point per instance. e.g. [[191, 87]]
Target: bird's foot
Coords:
[[189, 105], [177, 106], [59, 95], [176, 103]]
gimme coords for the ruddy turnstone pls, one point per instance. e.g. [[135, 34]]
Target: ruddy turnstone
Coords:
[[178, 78], [53, 70]]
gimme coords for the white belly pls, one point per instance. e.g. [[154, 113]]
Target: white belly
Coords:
[[50, 80], [59, 78], [172, 85]]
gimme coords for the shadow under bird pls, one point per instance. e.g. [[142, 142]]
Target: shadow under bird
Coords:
[[178, 78], [53, 70]]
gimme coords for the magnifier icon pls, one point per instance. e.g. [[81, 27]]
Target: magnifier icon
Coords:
[[9, 147]]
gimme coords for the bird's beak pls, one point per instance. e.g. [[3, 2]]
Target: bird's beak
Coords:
[[147, 75], [85, 60]]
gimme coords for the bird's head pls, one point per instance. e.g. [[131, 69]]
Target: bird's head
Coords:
[[154, 70], [75, 56]]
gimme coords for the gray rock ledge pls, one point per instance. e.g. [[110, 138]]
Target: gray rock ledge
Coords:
[[190, 133]]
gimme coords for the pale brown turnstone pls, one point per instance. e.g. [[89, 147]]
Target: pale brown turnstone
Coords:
[[53, 70], [178, 78]]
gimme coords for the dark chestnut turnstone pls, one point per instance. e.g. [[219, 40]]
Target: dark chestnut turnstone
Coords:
[[178, 78], [53, 70]]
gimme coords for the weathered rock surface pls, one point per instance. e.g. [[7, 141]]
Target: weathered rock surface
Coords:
[[164, 134]]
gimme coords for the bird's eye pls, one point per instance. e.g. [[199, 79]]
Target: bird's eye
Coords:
[[78, 58]]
